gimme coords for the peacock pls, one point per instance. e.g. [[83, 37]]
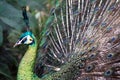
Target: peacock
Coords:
[[80, 41]]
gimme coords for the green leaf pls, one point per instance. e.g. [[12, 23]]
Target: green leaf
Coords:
[[11, 22], [10, 15], [33, 4], [9, 11]]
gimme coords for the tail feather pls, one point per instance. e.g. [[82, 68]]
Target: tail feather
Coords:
[[86, 28]]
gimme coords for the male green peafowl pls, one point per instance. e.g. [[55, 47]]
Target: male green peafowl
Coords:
[[81, 41]]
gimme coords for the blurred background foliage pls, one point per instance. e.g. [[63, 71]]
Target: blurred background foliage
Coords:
[[12, 25]]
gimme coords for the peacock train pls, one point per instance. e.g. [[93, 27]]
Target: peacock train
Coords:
[[81, 41]]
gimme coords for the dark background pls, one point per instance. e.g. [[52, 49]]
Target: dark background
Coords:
[[11, 27]]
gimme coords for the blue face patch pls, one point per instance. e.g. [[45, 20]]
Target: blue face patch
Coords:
[[25, 34], [24, 37], [23, 41]]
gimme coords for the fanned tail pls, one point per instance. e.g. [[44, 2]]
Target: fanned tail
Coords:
[[85, 28]]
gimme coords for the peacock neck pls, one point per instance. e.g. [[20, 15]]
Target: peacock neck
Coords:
[[25, 71]]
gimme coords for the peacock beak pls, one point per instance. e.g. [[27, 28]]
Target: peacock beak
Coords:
[[17, 43]]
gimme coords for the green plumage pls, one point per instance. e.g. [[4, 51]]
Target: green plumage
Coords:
[[82, 38], [26, 66]]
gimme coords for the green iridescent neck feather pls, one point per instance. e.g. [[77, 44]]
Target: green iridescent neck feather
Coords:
[[83, 36], [26, 66]]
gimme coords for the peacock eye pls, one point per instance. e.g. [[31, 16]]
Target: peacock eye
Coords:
[[30, 39], [92, 55], [89, 68], [108, 72], [82, 65], [110, 55]]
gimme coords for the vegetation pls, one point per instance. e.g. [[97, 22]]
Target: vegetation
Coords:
[[12, 25]]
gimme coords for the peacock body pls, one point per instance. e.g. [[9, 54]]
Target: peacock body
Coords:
[[81, 41]]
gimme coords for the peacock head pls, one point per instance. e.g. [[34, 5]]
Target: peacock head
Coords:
[[26, 38]]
